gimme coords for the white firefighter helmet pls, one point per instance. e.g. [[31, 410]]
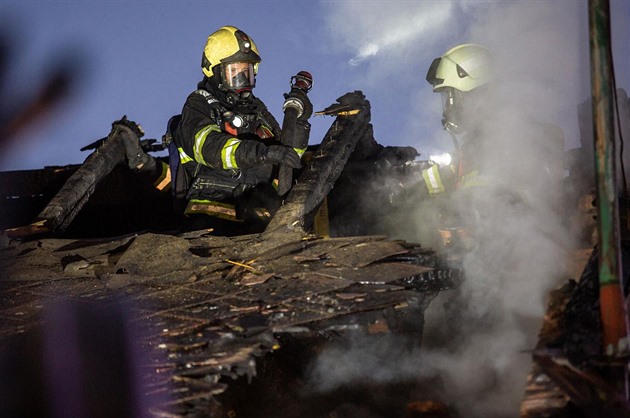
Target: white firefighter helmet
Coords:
[[463, 67], [454, 75]]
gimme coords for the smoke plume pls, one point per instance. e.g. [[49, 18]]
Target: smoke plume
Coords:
[[478, 337]]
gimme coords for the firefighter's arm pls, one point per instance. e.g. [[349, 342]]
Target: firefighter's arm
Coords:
[[200, 136], [217, 149], [206, 143], [155, 171], [303, 127], [160, 174], [297, 137], [141, 163], [438, 179]]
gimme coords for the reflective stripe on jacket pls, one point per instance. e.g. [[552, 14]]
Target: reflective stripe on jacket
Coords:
[[207, 136], [433, 180]]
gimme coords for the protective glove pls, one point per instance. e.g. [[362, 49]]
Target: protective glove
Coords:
[[131, 133], [305, 108], [279, 154]]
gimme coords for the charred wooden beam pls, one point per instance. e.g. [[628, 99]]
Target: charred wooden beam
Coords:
[[295, 217], [76, 191], [586, 389]]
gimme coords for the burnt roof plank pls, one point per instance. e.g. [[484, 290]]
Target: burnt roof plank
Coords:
[[363, 254], [204, 317], [380, 273]]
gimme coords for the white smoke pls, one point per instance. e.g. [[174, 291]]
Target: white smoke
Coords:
[[386, 30], [388, 46], [394, 38], [379, 358], [366, 51], [520, 238]]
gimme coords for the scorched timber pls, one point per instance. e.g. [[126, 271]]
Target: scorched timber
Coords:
[[318, 178], [204, 311], [207, 308]]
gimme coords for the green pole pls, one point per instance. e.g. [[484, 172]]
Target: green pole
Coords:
[[612, 306]]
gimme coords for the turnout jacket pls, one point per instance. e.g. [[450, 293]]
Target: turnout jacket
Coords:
[[213, 134], [220, 146], [216, 149], [483, 163]]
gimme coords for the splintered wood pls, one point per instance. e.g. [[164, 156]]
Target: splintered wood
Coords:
[[207, 307]]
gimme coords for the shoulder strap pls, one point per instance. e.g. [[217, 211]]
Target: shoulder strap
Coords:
[[217, 109]]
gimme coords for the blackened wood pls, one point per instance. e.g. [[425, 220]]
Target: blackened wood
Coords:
[[76, 191], [295, 217]]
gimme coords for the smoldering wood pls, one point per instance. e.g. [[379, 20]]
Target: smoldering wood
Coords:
[[203, 317], [223, 305], [77, 190], [295, 216], [74, 194]]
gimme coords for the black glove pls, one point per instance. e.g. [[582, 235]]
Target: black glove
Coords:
[[131, 133], [131, 125], [279, 154], [297, 94]]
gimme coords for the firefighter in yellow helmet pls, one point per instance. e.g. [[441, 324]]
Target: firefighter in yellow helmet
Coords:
[[224, 148]]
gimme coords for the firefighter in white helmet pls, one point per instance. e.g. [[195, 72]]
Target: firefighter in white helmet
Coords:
[[455, 75], [488, 136]]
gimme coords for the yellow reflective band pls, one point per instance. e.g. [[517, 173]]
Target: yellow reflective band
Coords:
[[348, 112], [432, 180], [211, 208], [228, 153], [321, 222], [164, 181], [471, 180], [183, 157], [200, 140], [300, 151]]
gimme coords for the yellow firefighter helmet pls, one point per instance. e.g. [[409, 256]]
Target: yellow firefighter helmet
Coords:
[[230, 48]]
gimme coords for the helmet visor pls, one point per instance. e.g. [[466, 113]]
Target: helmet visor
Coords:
[[239, 75]]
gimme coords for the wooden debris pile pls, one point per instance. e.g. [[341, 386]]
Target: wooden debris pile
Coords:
[[209, 306], [205, 308], [570, 375]]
